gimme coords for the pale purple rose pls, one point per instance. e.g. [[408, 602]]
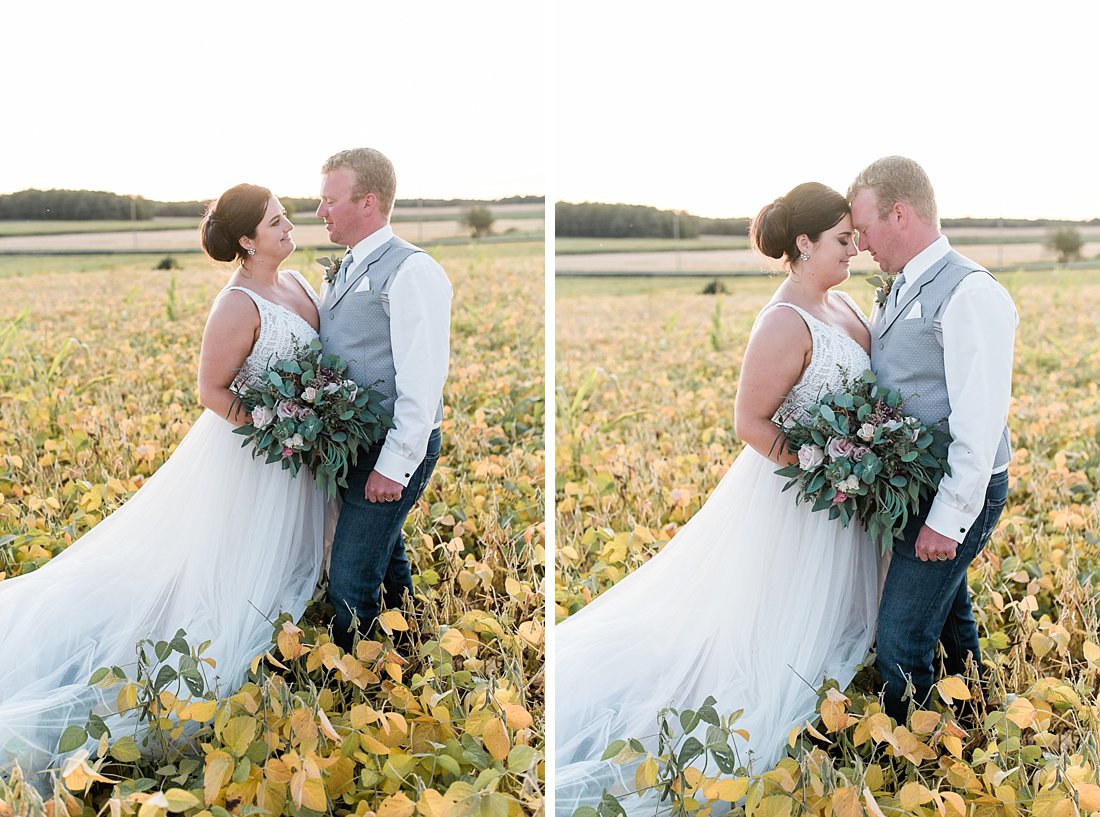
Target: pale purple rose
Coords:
[[839, 447], [262, 416], [305, 412], [286, 409], [859, 452], [866, 432], [810, 456], [331, 387], [309, 394]]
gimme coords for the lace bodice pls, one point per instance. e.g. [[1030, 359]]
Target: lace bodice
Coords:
[[280, 329], [836, 359]]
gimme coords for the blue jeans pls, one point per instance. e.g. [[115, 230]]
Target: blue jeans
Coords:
[[928, 602], [368, 550]]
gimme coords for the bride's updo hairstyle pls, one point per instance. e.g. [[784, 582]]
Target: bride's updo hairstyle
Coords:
[[811, 208], [235, 215]]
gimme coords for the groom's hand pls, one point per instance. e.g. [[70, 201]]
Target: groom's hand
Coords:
[[382, 489], [934, 547]]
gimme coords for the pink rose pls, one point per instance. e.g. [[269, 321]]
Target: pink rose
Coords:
[[839, 447], [840, 497], [287, 451]]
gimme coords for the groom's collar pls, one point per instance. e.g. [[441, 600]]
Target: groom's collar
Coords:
[[923, 261], [371, 243]]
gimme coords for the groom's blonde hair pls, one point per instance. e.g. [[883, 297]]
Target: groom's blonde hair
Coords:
[[894, 179], [374, 173]]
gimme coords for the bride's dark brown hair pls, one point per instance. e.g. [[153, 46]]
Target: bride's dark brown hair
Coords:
[[810, 208], [234, 215]]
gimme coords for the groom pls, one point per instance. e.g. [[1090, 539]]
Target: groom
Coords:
[[944, 338], [388, 314]]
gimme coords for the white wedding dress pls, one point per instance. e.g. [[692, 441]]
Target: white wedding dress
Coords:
[[755, 601], [215, 542]]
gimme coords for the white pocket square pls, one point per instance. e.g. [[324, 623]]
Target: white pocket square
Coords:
[[364, 285], [915, 312]]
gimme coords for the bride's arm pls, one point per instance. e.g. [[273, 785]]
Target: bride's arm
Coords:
[[779, 350], [231, 329]]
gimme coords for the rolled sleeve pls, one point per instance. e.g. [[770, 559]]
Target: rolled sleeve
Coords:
[[979, 329], [420, 329]]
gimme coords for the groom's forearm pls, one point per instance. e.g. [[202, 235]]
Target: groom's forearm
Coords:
[[979, 328]]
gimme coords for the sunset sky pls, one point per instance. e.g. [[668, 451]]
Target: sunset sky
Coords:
[[718, 108], [182, 100]]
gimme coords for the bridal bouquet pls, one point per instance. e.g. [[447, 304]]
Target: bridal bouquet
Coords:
[[860, 456], [304, 411]]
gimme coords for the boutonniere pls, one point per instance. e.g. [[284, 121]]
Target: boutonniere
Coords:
[[883, 285], [332, 266]]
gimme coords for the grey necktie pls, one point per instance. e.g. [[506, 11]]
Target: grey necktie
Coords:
[[342, 275], [895, 290]]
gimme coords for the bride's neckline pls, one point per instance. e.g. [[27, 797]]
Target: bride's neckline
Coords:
[[802, 310], [283, 307]]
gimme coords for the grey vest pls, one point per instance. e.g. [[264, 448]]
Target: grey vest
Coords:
[[907, 356], [356, 325]]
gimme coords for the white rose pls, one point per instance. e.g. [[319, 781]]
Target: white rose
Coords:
[[262, 416], [310, 394], [810, 456], [849, 485], [866, 432], [296, 442]]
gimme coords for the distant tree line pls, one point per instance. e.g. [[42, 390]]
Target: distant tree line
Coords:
[[73, 205], [82, 205], [638, 221], [597, 220]]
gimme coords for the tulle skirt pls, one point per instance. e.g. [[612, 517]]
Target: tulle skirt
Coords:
[[755, 601], [216, 542]]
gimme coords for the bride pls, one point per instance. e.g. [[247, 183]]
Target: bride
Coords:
[[215, 542], [756, 600]]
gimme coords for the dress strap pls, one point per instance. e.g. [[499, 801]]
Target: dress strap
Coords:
[[305, 285], [844, 296]]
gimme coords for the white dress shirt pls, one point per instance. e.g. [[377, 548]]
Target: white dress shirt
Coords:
[[420, 332], [976, 327]]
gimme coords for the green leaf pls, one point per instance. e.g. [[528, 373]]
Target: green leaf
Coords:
[[125, 750], [72, 738], [614, 749]]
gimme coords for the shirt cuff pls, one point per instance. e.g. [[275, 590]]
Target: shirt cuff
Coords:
[[948, 521], [393, 466]]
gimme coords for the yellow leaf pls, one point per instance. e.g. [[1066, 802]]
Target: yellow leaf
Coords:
[[239, 733], [777, 805], [834, 711], [1021, 712], [1089, 795], [495, 738], [326, 728], [199, 711], [308, 791], [180, 800], [392, 620], [953, 745], [730, 789], [924, 722], [846, 803], [871, 803], [127, 697], [517, 716], [373, 744], [956, 801], [953, 688], [646, 775], [219, 766], [155, 805], [1092, 654], [453, 641], [363, 715], [396, 805], [913, 794]]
